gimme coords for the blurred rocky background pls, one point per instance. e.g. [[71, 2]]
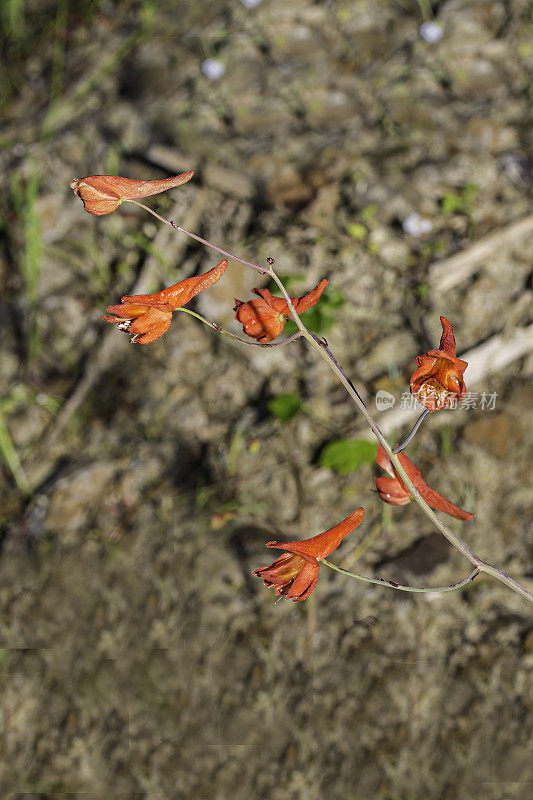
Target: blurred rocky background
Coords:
[[385, 145]]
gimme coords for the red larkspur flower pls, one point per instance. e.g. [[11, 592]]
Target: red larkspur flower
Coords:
[[295, 573], [148, 316], [102, 194], [438, 381], [392, 489], [265, 318]]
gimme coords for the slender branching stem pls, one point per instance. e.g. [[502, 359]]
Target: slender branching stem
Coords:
[[409, 438], [199, 239], [399, 586], [218, 329], [322, 348], [324, 351]]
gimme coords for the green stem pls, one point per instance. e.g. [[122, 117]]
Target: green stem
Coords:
[[7, 448], [199, 239], [400, 587], [410, 436], [218, 329]]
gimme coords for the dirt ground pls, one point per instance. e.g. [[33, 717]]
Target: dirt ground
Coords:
[[139, 657]]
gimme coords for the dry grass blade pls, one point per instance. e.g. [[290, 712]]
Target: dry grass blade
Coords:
[[453, 271]]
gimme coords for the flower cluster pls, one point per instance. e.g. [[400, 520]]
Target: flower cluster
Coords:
[[148, 316], [437, 382]]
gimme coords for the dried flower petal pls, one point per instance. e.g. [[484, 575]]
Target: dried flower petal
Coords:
[[392, 489], [102, 194]]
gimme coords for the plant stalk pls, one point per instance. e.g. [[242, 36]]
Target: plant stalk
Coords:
[[323, 350]]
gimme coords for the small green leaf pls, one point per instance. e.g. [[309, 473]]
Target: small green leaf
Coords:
[[369, 212], [345, 456], [461, 203], [357, 231], [285, 406], [451, 203]]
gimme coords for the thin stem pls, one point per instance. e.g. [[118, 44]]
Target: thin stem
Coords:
[[220, 250], [322, 348], [503, 577], [409, 438], [218, 329], [400, 587], [9, 452]]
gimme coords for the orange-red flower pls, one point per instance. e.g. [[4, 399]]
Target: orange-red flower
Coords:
[[438, 381], [392, 489], [264, 319], [102, 194], [295, 573], [148, 316]]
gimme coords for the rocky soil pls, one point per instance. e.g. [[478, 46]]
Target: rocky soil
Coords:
[[139, 485]]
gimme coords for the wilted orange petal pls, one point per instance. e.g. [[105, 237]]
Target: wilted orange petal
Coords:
[[383, 461], [283, 570], [392, 490], [324, 543], [278, 304], [128, 310], [180, 293], [109, 318], [150, 326], [259, 320], [441, 503], [302, 304], [305, 582], [447, 341], [102, 194], [97, 199]]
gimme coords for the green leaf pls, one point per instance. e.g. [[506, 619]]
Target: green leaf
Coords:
[[461, 203], [285, 406], [357, 231], [452, 203], [369, 212], [345, 456]]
